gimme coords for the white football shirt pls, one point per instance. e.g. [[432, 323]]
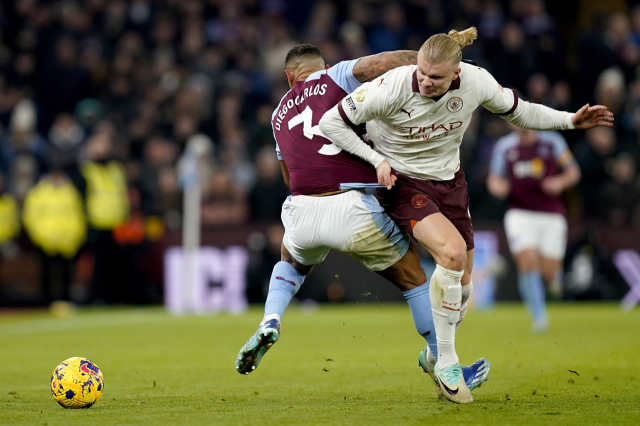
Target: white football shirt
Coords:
[[420, 137]]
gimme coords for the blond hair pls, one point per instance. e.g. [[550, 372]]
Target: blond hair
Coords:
[[440, 48]]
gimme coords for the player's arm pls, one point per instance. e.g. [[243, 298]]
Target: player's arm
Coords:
[[339, 126], [539, 117], [339, 132], [498, 186], [370, 67], [285, 173], [588, 117], [527, 115], [570, 171], [497, 183], [283, 165], [556, 185]]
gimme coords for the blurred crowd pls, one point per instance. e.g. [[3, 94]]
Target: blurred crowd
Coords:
[[99, 99]]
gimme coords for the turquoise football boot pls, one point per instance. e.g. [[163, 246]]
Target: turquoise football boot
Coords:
[[252, 352], [474, 375]]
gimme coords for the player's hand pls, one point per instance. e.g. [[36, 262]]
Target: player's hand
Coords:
[[383, 171], [552, 186], [592, 116]]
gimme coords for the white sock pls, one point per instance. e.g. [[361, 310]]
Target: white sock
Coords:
[[445, 293], [466, 294]]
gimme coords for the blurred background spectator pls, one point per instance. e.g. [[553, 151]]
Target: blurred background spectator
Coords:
[[111, 92], [53, 217]]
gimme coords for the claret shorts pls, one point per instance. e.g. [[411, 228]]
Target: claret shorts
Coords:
[[411, 200]]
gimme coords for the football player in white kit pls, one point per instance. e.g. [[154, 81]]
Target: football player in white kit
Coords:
[[416, 117], [328, 208]]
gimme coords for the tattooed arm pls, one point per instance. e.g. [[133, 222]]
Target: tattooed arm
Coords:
[[370, 67]]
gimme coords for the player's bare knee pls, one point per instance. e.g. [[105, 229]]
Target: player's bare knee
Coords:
[[548, 275], [527, 265], [453, 256]]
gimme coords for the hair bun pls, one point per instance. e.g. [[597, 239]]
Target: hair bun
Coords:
[[465, 37]]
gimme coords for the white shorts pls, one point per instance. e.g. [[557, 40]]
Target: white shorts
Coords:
[[351, 222], [544, 232]]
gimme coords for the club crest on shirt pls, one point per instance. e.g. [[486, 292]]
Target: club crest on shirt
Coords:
[[419, 201], [454, 104], [361, 94]]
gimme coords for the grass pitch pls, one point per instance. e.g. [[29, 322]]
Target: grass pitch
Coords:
[[337, 365]]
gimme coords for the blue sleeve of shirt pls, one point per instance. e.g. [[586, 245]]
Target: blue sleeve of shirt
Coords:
[[558, 142], [342, 74], [498, 158], [561, 152]]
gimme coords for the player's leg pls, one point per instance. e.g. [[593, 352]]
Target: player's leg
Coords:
[[379, 244], [467, 287], [531, 287], [408, 276], [467, 290], [404, 274], [449, 250], [419, 300], [438, 235], [552, 249], [286, 279], [298, 256], [523, 229], [417, 206], [552, 275], [380, 253]]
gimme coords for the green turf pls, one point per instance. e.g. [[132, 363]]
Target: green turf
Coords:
[[348, 364]]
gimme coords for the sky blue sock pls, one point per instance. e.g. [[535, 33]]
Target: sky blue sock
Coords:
[[285, 283], [420, 305], [531, 289], [523, 289]]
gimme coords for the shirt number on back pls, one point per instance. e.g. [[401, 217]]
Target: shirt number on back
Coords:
[[305, 117]]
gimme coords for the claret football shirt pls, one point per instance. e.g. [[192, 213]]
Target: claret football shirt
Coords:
[[526, 166], [315, 164]]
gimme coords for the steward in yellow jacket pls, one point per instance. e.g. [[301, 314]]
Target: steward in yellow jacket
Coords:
[[106, 194], [9, 218], [53, 216]]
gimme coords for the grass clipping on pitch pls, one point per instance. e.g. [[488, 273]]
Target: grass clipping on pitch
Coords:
[[346, 364]]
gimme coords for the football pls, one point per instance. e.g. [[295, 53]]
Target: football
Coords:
[[77, 383]]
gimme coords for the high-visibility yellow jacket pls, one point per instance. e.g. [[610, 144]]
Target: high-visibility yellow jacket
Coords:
[[106, 195], [54, 219], [9, 218]]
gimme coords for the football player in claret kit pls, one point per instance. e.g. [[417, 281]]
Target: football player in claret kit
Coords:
[[329, 208], [532, 169], [416, 117]]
